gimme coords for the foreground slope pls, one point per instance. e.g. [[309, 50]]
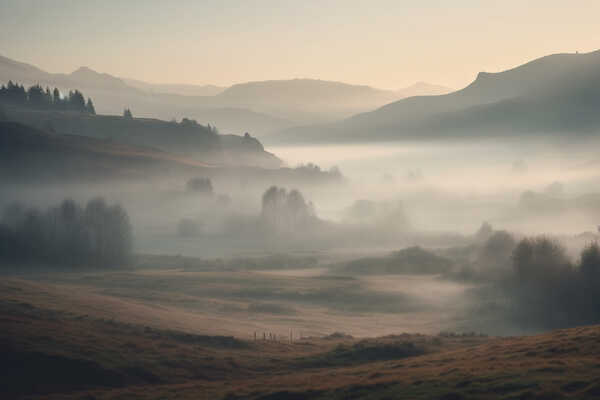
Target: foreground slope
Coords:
[[52, 350]]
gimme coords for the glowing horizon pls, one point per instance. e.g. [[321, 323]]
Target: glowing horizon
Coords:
[[385, 44]]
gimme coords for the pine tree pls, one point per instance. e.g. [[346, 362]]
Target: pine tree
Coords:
[[35, 95], [76, 101], [89, 106], [56, 100]]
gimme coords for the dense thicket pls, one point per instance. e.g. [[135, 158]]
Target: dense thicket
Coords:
[[37, 97], [548, 290], [66, 235], [286, 211]]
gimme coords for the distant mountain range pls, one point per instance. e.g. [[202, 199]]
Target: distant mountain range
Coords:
[[551, 95], [181, 89], [257, 107]]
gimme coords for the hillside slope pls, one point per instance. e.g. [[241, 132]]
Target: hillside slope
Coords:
[[259, 107], [51, 350], [188, 139], [546, 95], [29, 154]]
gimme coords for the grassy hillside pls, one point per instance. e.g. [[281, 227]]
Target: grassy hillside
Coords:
[[31, 154], [190, 139], [28, 154], [55, 349]]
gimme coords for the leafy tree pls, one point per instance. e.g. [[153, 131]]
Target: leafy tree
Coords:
[[285, 211], [539, 259], [66, 235], [590, 263]]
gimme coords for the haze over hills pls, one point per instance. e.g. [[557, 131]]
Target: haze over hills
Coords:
[[111, 95], [175, 88], [547, 95], [257, 107], [422, 89], [304, 100], [31, 154], [188, 138]]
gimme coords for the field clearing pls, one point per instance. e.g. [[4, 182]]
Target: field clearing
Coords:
[[234, 303], [49, 327]]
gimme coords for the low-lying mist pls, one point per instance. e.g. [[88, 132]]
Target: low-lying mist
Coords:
[[397, 232]]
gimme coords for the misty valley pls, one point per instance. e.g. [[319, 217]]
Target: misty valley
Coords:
[[320, 241]]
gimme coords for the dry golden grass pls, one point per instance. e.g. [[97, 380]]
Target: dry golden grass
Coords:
[[101, 357]]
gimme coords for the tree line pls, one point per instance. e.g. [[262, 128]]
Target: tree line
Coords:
[[39, 98], [69, 235]]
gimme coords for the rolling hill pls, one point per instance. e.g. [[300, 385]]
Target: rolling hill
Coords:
[[32, 155], [112, 94], [173, 88], [69, 341], [257, 107], [549, 95], [28, 154], [189, 139], [304, 100]]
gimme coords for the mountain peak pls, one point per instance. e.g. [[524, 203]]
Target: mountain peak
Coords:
[[84, 69], [87, 76]]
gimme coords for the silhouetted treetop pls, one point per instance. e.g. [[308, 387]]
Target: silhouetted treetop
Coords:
[[39, 98]]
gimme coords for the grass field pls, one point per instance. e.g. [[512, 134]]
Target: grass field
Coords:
[[175, 334]]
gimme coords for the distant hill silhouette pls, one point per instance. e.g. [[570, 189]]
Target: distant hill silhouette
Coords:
[[173, 88], [303, 100], [112, 94], [256, 107], [422, 89], [549, 95]]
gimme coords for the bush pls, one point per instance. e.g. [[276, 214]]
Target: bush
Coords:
[[547, 291], [200, 185]]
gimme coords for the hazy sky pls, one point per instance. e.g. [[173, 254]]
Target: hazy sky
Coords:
[[384, 43]]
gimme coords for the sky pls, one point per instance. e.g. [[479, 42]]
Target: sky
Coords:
[[387, 44]]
